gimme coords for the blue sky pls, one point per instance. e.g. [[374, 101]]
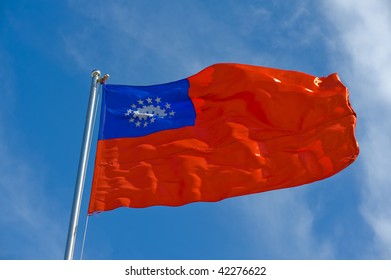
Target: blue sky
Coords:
[[47, 52]]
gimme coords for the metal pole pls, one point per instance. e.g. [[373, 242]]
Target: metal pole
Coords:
[[85, 150]]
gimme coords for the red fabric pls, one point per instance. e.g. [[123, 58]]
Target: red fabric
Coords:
[[257, 129]]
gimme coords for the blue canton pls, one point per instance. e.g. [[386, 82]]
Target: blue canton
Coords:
[[134, 111]]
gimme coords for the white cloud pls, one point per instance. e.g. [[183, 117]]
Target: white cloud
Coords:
[[364, 35], [282, 226], [181, 38], [28, 220]]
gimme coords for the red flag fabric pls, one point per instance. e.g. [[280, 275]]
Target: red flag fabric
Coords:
[[230, 130]]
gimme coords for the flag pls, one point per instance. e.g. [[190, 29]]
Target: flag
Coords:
[[227, 131]]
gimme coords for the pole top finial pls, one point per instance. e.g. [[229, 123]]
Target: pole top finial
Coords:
[[95, 73]]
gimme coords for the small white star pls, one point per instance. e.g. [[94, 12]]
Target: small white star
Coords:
[[168, 105], [134, 106], [158, 100], [149, 100], [140, 102], [128, 112], [138, 124], [172, 113], [152, 120], [131, 120], [145, 124]]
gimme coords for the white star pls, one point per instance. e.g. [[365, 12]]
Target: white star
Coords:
[[149, 100], [134, 106], [172, 113], [158, 100], [168, 106], [128, 112], [131, 120], [152, 120], [145, 124], [140, 102], [138, 124]]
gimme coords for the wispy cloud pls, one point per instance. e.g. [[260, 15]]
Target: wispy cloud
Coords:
[[146, 36], [28, 220], [364, 35], [282, 226]]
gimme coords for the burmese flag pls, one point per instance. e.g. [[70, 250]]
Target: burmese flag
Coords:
[[229, 130]]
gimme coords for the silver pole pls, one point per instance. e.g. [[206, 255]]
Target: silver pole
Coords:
[[85, 150]]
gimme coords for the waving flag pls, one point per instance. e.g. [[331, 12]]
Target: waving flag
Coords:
[[230, 130]]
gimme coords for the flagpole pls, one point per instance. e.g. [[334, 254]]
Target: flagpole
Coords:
[[85, 150]]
